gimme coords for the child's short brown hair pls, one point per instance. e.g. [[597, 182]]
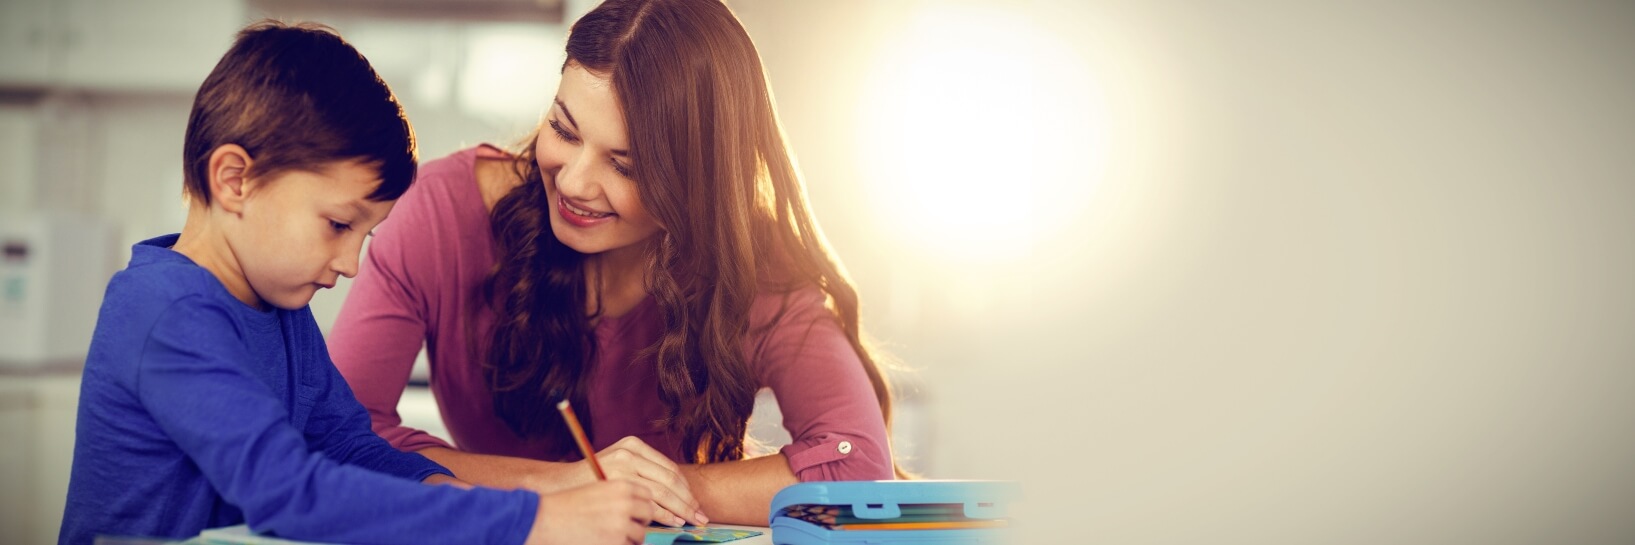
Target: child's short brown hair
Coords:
[[296, 97]]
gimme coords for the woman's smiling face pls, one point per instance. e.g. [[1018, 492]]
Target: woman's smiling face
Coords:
[[584, 161]]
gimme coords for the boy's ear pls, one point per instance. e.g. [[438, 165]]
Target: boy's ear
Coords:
[[228, 184]]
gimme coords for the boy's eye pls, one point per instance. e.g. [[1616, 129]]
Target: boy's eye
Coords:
[[339, 227]]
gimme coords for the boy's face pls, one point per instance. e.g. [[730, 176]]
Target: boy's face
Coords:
[[302, 230]]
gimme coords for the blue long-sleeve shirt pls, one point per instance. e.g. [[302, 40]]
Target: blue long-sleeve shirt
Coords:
[[198, 411]]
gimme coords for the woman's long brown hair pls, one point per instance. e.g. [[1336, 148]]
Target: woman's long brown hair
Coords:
[[712, 167]]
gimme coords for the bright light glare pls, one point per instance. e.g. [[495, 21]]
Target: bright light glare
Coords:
[[510, 71], [963, 137]]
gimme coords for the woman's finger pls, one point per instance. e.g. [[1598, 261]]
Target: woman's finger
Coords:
[[669, 489], [636, 446], [668, 498]]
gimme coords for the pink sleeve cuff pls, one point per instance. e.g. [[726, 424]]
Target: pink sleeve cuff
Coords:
[[837, 457]]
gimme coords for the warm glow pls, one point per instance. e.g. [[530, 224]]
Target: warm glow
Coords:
[[972, 145], [510, 72]]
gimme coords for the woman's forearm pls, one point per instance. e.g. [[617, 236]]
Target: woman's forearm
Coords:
[[505, 472], [739, 492]]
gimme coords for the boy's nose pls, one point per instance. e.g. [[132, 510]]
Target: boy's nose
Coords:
[[346, 266]]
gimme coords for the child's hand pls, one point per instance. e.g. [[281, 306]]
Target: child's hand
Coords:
[[600, 513], [632, 460]]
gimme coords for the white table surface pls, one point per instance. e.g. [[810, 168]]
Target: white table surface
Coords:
[[241, 533]]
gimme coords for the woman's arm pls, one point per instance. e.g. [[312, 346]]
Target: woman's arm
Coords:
[[828, 406], [505, 472], [629, 459], [740, 492]]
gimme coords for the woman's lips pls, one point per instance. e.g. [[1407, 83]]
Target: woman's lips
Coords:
[[580, 217]]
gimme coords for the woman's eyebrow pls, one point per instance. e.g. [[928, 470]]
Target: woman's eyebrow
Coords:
[[567, 113]]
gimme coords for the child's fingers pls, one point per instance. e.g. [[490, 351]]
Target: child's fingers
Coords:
[[641, 514]]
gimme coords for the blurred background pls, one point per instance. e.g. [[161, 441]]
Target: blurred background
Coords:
[[1247, 272]]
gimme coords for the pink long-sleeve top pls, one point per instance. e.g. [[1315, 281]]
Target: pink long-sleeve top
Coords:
[[418, 281]]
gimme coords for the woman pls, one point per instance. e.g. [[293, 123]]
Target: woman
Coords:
[[648, 256]]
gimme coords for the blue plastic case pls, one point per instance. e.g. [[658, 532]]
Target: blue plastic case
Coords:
[[884, 501]]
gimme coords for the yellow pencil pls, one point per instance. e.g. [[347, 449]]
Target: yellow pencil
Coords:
[[580, 439]]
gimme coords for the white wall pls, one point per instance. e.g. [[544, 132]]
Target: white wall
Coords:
[[1347, 272], [37, 416]]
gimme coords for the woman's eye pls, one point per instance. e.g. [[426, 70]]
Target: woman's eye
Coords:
[[621, 169], [339, 227], [562, 133]]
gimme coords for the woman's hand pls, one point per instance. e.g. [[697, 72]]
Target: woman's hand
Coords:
[[599, 513], [632, 460]]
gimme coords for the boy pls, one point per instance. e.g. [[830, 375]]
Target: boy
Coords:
[[209, 398]]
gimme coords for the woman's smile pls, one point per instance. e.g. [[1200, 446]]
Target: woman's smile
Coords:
[[579, 217]]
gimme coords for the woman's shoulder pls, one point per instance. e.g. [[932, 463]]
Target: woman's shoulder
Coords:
[[452, 175], [439, 222], [782, 304], [496, 175], [445, 190]]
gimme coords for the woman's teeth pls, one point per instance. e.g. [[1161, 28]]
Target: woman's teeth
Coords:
[[585, 213]]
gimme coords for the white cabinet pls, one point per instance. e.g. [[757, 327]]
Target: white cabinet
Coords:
[[37, 416], [25, 42], [119, 45], [19, 135], [53, 271]]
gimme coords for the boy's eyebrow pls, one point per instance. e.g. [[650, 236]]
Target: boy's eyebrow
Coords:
[[565, 112], [358, 209]]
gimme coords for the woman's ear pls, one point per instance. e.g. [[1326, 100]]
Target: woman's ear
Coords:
[[228, 184]]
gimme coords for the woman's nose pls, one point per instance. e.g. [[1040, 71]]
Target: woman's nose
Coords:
[[574, 181]]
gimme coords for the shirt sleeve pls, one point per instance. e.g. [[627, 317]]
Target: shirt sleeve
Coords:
[[384, 321], [828, 403], [341, 428], [191, 380]]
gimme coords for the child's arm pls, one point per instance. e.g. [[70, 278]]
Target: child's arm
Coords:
[[192, 380], [340, 427]]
